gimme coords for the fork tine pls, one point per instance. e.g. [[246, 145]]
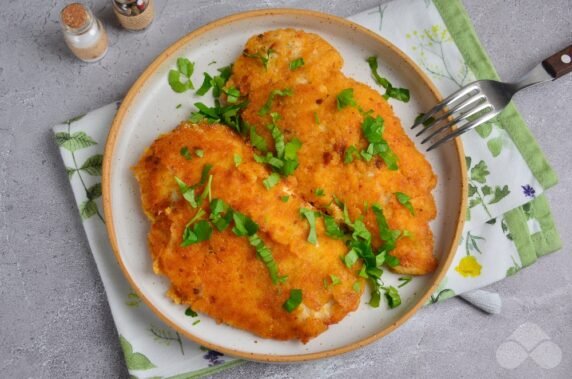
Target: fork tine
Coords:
[[448, 101], [461, 117], [465, 128], [457, 108]]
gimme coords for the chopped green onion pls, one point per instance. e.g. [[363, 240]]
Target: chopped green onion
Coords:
[[293, 301]]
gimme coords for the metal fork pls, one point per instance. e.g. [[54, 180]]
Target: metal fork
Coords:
[[480, 101]]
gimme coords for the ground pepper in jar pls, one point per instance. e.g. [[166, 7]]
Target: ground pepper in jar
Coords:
[[83, 33]]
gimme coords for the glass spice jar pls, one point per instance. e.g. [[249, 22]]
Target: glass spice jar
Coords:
[[83, 33], [134, 15]]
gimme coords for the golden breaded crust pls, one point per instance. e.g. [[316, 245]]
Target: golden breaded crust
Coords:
[[222, 277], [315, 86]]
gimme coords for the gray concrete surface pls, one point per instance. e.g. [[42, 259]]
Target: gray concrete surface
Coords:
[[54, 319]]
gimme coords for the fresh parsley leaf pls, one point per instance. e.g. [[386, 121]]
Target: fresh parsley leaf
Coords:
[[207, 84], [392, 296], [332, 228], [188, 192], [293, 301], [284, 198], [185, 68], [204, 174], [335, 280], [310, 215], [372, 129], [388, 236], [375, 294], [404, 200], [392, 260], [232, 94], [401, 94], [264, 57], [185, 153], [237, 160], [319, 192], [201, 231], [345, 98], [221, 214], [278, 139], [427, 122], [189, 312], [227, 115], [271, 180], [199, 153], [265, 255], [350, 258], [296, 63], [257, 140], [268, 104], [349, 154], [405, 280], [356, 286], [243, 225]]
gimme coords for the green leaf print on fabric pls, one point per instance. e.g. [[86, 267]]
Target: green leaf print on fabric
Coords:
[[74, 142], [469, 266], [379, 10], [485, 130], [133, 300], [495, 146], [514, 269], [134, 361], [93, 165], [481, 193], [441, 293], [165, 337]]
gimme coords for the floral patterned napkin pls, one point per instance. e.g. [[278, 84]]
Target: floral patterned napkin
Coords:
[[508, 224]]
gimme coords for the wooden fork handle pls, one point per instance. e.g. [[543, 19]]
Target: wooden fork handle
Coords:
[[560, 63]]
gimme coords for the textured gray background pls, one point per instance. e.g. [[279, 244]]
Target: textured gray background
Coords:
[[54, 319]]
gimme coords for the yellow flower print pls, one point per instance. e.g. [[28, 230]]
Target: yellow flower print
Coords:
[[469, 266]]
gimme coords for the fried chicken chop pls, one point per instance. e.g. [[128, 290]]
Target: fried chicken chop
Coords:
[[222, 276], [311, 115]]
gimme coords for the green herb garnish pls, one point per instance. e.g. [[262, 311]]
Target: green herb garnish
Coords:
[[221, 214], [200, 231], [178, 106], [184, 69], [277, 92], [404, 200], [332, 228], [207, 84], [271, 180], [232, 94], [296, 63], [189, 312], [311, 217], [196, 322], [372, 129], [243, 225], [237, 159], [401, 94], [316, 118], [264, 58], [405, 280], [199, 153], [293, 301], [188, 192], [185, 153], [345, 98], [227, 115], [356, 286], [257, 140], [265, 255], [284, 198], [319, 192], [427, 122], [392, 296], [349, 154]]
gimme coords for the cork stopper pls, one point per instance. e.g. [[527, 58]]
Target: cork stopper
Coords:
[[76, 17]]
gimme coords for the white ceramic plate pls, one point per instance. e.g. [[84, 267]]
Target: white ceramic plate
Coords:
[[149, 110]]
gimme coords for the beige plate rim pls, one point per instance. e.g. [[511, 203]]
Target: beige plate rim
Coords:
[[110, 149]]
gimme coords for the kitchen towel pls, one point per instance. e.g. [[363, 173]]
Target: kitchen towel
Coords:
[[509, 224]]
